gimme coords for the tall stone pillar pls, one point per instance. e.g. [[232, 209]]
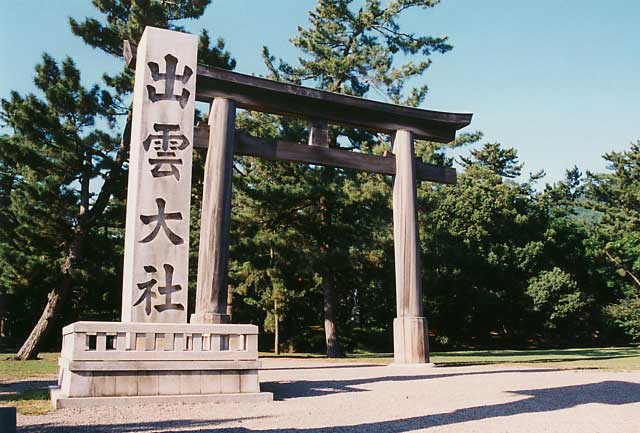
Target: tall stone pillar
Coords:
[[410, 344], [213, 259], [156, 252]]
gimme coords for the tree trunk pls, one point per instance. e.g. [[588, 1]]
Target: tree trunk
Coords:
[[55, 302], [330, 328], [86, 220], [330, 324], [329, 300], [276, 319], [229, 310]]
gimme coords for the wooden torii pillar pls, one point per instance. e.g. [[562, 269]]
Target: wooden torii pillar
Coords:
[[227, 90], [410, 338], [213, 257]]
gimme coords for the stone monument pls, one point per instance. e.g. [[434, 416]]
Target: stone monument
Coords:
[[153, 355]]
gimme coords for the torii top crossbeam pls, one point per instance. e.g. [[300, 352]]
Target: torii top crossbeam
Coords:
[[260, 94]]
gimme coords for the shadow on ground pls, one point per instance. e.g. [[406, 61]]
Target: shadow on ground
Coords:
[[322, 367], [25, 385], [537, 401], [315, 388]]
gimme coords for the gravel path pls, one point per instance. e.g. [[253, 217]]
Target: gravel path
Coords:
[[314, 396]]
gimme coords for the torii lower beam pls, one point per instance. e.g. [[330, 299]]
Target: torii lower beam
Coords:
[[279, 150]]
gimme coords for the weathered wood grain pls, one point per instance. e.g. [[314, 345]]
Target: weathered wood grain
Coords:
[[213, 257], [260, 94], [405, 229], [279, 150], [318, 133], [410, 333]]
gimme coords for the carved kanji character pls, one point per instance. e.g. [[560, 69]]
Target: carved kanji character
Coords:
[[167, 290], [166, 145], [161, 222], [169, 78], [147, 293]]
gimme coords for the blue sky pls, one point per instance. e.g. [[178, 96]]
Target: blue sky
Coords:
[[557, 80]]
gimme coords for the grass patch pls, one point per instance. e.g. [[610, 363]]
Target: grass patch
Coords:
[[45, 366], [607, 358], [610, 358], [31, 402]]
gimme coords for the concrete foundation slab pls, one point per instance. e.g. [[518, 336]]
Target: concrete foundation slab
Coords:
[[82, 402]]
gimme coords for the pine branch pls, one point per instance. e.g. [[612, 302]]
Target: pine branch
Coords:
[[107, 188], [617, 262]]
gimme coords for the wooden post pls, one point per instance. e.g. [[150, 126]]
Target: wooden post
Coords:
[[213, 258], [410, 345], [318, 133]]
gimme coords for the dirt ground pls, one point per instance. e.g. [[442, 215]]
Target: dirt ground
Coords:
[[316, 396]]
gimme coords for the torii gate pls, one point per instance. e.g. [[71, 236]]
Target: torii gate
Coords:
[[153, 354], [226, 91]]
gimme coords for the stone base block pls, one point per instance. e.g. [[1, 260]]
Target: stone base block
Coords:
[[60, 402], [213, 318], [427, 366], [111, 383], [410, 340]]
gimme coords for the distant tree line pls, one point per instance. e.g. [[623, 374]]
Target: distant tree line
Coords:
[[506, 262]]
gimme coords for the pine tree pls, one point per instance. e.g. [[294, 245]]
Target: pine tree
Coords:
[[340, 218], [63, 167], [55, 157], [615, 197]]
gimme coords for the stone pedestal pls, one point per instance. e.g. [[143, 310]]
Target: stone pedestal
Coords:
[[104, 363], [410, 340]]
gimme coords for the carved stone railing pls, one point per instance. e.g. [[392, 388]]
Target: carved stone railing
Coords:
[[98, 341]]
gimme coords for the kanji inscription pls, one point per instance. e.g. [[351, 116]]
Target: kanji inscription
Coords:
[[157, 231], [169, 77], [160, 219], [167, 290], [166, 146]]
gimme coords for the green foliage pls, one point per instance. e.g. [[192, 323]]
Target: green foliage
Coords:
[[556, 295], [615, 196], [503, 162], [351, 52], [626, 314], [52, 162]]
